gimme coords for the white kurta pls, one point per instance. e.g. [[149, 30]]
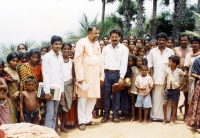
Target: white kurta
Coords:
[[88, 67], [159, 62]]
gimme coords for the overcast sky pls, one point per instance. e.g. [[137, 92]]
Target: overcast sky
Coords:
[[38, 20]]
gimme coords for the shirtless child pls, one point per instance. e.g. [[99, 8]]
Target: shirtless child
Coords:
[[29, 104]]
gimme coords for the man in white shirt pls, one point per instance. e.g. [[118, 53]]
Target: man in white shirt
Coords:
[[115, 59], [158, 62], [52, 74]]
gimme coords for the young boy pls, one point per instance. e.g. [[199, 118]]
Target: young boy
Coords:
[[153, 44], [144, 84], [29, 104], [174, 80]]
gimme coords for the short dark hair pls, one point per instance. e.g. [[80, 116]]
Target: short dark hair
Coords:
[[22, 54], [183, 35], [147, 39], [55, 38], [175, 59], [132, 56], [137, 57], [34, 51], [44, 47], [153, 41], [161, 35], [170, 38], [12, 56], [117, 31], [144, 66], [103, 42], [195, 38], [91, 27], [30, 79], [124, 39], [23, 45], [141, 47], [66, 44], [106, 36]]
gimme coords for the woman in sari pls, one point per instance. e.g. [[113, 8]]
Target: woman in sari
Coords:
[[193, 119], [69, 80], [13, 86], [5, 75]]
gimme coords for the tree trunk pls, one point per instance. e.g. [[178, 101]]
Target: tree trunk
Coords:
[[103, 12], [153, 30], [198, 6], [140, 18], [178, 19], [127, 24]]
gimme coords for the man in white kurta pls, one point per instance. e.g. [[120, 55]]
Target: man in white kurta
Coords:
[[158, 62], [88, 69]]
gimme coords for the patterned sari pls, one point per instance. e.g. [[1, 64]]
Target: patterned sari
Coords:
[[12, 88], [25, 71]]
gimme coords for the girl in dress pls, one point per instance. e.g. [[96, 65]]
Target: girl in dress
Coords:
[[125, 106], [133, 90]]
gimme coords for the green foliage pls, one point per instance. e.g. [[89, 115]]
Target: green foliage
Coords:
[[164, 21], [83, 30]]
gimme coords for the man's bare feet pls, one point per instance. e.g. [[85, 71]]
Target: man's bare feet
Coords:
[[171, 123], [140, 121], [164, 122], [133, 119], [58, 132], [145, 122], [62, 129]]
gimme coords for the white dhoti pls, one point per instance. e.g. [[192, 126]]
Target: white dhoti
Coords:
[[85, 108], [157, 104]]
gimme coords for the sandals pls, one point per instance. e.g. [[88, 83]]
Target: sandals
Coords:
[[91, 123], [82, 127]]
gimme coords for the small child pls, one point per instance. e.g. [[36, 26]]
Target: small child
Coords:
[[153, 44], [138, 42], [173, 82], [125, 104], [23, 57], [43, 50], [71, 55], [29, 104], [135, 50], [136, 71], [142, 51], [144, 84], [170, 42]]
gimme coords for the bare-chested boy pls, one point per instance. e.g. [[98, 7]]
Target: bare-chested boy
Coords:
[[181, 52], [29, 104]]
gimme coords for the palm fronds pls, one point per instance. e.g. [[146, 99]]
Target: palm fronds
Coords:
[[6, 49]]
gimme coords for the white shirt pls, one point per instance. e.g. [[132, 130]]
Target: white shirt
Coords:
[[115, 58], [144, 82], [159, 62], [52, 71], [67, 70], [189, 62], [175, 78]]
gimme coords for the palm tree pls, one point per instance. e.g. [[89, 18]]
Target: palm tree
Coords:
[[198, 6], [178, 17], [140, 18], [153, 28]]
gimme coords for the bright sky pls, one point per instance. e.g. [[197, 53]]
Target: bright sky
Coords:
[[38, 20]]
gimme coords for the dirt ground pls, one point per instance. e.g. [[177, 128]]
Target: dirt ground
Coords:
[[126, 129]]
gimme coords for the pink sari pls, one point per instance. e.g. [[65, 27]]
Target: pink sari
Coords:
[[4, 113]]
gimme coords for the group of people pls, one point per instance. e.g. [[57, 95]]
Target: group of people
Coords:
[[147, 76]]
